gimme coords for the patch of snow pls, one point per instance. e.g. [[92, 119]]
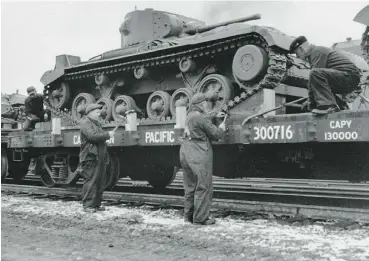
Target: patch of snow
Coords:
[[288, 240]]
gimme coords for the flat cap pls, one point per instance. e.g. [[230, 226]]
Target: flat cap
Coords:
[[297, 42], [31, 89], [197, 98], [92, 107]]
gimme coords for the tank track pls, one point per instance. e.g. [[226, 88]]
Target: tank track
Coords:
[[365, 44], [277, 70]]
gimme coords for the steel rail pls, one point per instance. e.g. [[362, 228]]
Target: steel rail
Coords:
[[310, 211]]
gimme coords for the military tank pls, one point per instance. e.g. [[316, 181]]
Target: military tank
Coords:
[[12, 116], [166, 57], [363, 18]]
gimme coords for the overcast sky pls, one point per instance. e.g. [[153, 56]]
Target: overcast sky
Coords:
[[33, 33]]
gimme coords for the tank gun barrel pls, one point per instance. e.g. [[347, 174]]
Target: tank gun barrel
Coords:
[[201, 29]]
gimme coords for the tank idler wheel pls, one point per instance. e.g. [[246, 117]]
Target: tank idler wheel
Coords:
[[121, 105], [80, 104], [107, 107], [218, 89], [112, 171], [158, 105], [4, 166], [162, 176], [59, 96], [249, 63], [140, 73], [187, 65], [184, 94]]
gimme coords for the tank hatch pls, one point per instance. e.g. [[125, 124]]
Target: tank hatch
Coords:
[[141, 26]]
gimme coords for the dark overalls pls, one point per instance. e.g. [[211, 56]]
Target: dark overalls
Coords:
[[331, 73], [34, 109], [93, 158], [196, 156]]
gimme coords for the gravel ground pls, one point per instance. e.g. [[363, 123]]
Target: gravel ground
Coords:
[[43, 229]]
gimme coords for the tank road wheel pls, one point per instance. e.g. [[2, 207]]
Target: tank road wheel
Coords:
[[122, 104], [184, 94], [112, 171], [249, 63], [218, 89], [80, 103], [186, 65], [67, 174], [107, 107], [4, 166], [157, 105], [162, 176], [59, 97]]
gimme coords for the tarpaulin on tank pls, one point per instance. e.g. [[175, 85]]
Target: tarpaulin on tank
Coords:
[[17, 99]]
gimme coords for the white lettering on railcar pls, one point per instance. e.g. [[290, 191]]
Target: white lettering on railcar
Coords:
[[159, 137], [77, 140], [340, 135], [273, 132], [340, 124]]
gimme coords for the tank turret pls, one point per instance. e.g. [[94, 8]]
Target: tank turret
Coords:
[[146, 25]]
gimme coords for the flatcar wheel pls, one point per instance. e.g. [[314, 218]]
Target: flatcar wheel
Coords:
[[184, 94], [46, 179], [158, 105], [162, 176], [121, 105], [112, 172], [218, 89], [18, 170], [59, 96], [107, 107], [4, 166], [79, 105]]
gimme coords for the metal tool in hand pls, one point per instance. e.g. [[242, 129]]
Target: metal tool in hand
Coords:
[[274, 109]]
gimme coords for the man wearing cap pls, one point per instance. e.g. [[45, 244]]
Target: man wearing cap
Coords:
[[93, 158], [34, 109], [331, 73], [196, 157]]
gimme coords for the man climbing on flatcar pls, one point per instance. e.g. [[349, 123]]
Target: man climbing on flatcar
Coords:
[[331, 73], [34, 109], [196, 157], [93, 158]]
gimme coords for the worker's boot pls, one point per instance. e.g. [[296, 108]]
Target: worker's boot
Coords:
[[100, 208], [188, 220], [323, 110], [89, 210], [209, 221]]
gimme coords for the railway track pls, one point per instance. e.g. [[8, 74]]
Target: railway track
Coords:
[[337, 200]]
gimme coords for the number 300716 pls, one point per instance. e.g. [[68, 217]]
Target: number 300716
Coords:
[[273, 132]]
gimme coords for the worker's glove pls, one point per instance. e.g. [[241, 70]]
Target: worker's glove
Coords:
[[306, 106], [220, 114], [222, 126]]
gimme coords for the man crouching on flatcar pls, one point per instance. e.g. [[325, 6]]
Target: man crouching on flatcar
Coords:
[[196, 156], [93, 158], [331, 73]]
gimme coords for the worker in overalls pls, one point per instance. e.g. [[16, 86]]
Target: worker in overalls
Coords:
[[331, 73], [93, 158], [34, 109], [196, 157]]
